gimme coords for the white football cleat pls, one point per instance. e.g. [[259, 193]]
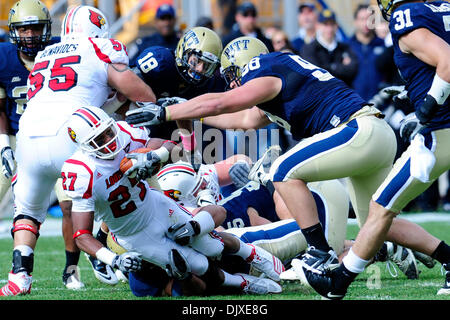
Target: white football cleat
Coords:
[[121, 276], [103, 272], [264, 262], [446, 287], [72, 279], [292, 274], [18, 283], [255, 285], [260, 170]]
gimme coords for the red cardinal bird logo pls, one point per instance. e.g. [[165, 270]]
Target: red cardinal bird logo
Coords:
[[96, 19]]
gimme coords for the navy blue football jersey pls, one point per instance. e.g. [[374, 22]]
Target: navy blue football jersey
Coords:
[[13, 79], [434, 16], [158, 69], [311, 99], [252, 195], [258, 197]]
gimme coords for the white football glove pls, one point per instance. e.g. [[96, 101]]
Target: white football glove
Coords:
[[178, 267], [148, 114], [409, 127], [239, 173], [8, 162], [165, 102], [183, 233], [128, 261], [145, 164]]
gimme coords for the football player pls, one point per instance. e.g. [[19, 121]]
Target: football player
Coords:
[[143, 220], [421, 37], [341, 134], [16, 61], [255, 207], [62, 79]]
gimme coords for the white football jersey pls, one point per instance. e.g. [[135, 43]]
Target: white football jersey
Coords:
[[98, 185], [66, 76]]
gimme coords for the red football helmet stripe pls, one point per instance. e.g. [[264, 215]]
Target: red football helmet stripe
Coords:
[[92, 118], [69, 19]]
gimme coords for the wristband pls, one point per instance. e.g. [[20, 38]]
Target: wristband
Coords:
[[189, 142], [439, 90], [4, 141], [167, 113], [162, 153], [106, 256]]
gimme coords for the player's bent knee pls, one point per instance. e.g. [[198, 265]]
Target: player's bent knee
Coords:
[[25, 223]]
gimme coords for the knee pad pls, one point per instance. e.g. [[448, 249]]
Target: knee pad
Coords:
[[25, 226]]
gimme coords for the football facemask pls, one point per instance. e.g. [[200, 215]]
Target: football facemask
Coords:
[[25, 17]]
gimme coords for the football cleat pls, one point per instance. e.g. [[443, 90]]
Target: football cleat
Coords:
[[260, 170], [266, 263], [425, 259], [404, 259], [319, 261], [255, 285], [103, 272], [71, 278], [446, 288], [321, 282], [18, 283], [121, 276], [292, 274]]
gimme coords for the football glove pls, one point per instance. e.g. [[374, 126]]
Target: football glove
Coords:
[[145, 164], [128, 261], [165, 102], [8, 163], [148, 114], [178, 268], [427, 110], [239, 173], [184, 232], [409, 127]]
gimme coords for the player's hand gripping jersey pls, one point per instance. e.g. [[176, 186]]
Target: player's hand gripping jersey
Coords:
[[65, 76]]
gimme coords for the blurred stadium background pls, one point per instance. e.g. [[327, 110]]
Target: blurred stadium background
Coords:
[[130, 19]]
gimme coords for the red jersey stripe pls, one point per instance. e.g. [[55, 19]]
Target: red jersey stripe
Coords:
[[99, 53], [88, 193]]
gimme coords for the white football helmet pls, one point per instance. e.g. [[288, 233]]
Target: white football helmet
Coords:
[[95, 132], [84, 21], [180, 182]]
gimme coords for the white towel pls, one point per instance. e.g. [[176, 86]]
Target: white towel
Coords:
[[422, 159]]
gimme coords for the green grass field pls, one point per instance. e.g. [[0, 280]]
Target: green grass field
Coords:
[[374, 284]]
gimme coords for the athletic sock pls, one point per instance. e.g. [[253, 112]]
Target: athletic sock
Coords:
[[72, 258], [442, 253], [315, 237]]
